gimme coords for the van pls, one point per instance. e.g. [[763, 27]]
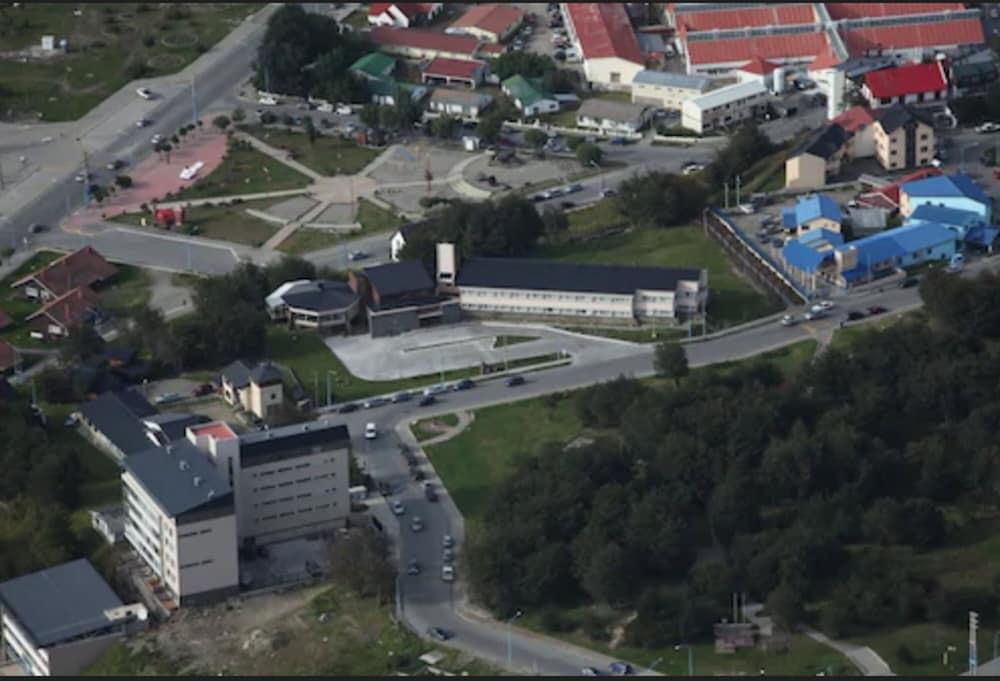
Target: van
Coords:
[[957, 263], [268, 100]]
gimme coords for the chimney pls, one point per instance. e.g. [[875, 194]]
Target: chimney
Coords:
[[197, 480], [211, 493], [183, 465]]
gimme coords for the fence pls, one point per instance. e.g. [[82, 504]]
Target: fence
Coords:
[[757, 264], [581, 132]]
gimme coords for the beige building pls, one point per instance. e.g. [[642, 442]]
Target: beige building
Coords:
[[817, 160], [606, 41], [258, 389], [666, 90], [904, 138], [725, 107], [322, 305], [181, 520], [614, 118]]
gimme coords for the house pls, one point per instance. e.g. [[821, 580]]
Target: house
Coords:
[[114, 422], [815, 211], [324, 306], [951, 191], [541, 288], [972, 73], [970, 226], [727, 106], [257, 388], [760, 70], [401, 297], [608, 46], [818, 159], [403, 14], [913, 84], [109, 522], [610, 117], [10, 358], [57, 621], [388, 92], [904, 137], [489, 22], [59, 316], [417, 43], [871, 257], [373, 66], [465, 105], [887, 196], [666, 90], [858, 122], [83, 268], [528, 95], [468, 72]]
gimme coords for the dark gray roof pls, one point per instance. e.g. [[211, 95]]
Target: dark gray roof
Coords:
[[548, 275], [260, 447], [322, 295], [825, 143], [118, 416], [399, 277], [239, 373], [171, 483], [61, 602], [265, 373], [898, 115]]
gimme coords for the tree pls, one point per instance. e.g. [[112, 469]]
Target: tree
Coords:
[[527, 64], [311, 131], [670, 361], [444, 126], [589, 154], [123, 181], [82, 344], [361, 562], [536, 138], [785, 605], [489, 125], [555, 222], [658, 199], [166, 148], [221, 122], [294, 39], [747, 146], [238, 115], [369, 115]]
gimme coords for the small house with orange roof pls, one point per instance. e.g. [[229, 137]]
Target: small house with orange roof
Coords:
[[58, 317], [859, 123], [84, 267]]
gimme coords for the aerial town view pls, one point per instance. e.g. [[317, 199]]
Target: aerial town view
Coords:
[[499, 339]]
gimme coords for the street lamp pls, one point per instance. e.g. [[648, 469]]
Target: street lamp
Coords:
[[996, 638], [949, 649], [329, 395], [690, 650], [509, 647]]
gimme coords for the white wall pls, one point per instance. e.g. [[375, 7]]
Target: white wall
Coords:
[[662, 96], [611, 72], [206, 555]]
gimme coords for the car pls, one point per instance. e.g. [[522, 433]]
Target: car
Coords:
[[82, 177], [426, 401], [356, 255], [778, 242], [877, 309], [166, 398], [373, 402], [825, 304], [348, 408], [413, 567], [559, 55], [567, 205], [619, 141], [157, 138], [447, 541], [268, 100], [448, 555], [371, 431], [36, 228], [694, 168], [909, 282], [416, 524], [203, 389], [788, 320], [436, 389], [402, 396], [610, 191], [438, 634], [142, 122], [145, 93], [855, 315], [464, 384], [397, 507], [988, 127], [115, 165], [430, 493], [589, 671], [814, 313], [575, 187], [763, 236], [620, 668], [343, 110], [514, 381], [313, 569], [448, 573]]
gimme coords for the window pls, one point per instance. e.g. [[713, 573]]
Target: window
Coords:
[[616, 77]]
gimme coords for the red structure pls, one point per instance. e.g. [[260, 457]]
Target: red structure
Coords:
[[168, 217]]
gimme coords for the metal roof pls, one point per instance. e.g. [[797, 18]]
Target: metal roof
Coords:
[[374, 64], [322, 295], [665, 79], [940, 32], [524, 90], [726, 50], [295, 440], [179, 476], [60, 603], [725, 95], [907, 79], [769, 15], [621, 112], [118, 416], [803, 257], [861, 10], [549, 275], [957, 185], [945, 216], [397, 278], [825, 142], [816, 206], [604, 30]]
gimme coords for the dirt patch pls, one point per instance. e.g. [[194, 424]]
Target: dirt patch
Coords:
[[618, 631]]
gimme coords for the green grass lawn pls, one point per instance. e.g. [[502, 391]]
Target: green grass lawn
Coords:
[[635, 335], [327, 155], [244, 171], [110, 43], [507, 341], [307, 240], [731, 300], [222, 222], [423, 429], [374, 219], [927, 642], [129, 290]]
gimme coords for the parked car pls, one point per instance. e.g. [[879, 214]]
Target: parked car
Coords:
[[464, 384], [348, 408], [356, 255], [448, 573], [413, 568], [373, 402], [610, 191], [416, 524], [166, 398], [788, 320], [877, 309], [145, 93], [559, 55], [815, 313], [447, 555], [694, 168], [825, 305], [430, 493], [589, 671], [115, 165], [142, 122], [855, 315], [566, 205], [438, 634], [343, 110], [447, 541], [402, 396], [371, 431], [426, 401], [778, 242], [397, 507], [988, 127], [203, 389], [36, 228], [514, 381], [436, 389], [573, 188], [620, 668], [156, 139], [619, 141], [313, 569]]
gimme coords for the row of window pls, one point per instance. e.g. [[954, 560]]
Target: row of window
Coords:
[[194, 533], [308, 509], [579, 312], [197, 564], [287, 483], [547, 296]]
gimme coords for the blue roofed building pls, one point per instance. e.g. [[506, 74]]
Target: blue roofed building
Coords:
[[812, 254], [970, 226], [881, 254], [815, 211], [957, 191]]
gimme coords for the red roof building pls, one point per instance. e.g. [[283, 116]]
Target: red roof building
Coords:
[[466, 71], [611, 54], [855, 118], [909, 84], [423, 44], [59, 316], [827, 59], [84, 267], [771, 15], [888, 196], [758, 67], [794, 47], [941, 34], [862, 10], [489, 22], [402, 14]]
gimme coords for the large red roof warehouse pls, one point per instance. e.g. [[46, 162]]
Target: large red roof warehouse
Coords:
[[862, 10], [604, 30]]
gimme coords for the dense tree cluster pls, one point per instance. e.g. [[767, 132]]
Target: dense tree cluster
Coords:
[[744, 480], [306, 54], [659, 199], [531, 65], [505, 228], [747, 145]]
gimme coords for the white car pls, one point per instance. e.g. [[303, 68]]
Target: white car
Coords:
[[268, 100], [448, 573], [142, 123], [157, 138], [416, 524], [825, 305], [988, 127], [371, 432], [435, 390], [815, 312], [145, 93], [788, 320], [344, 110], [397, 507]]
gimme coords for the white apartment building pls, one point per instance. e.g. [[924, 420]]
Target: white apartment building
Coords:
[[56, 621], [512, 286], [666, 90], [724, 107], [180, 518]]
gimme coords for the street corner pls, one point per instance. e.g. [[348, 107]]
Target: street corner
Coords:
[[83, 222]]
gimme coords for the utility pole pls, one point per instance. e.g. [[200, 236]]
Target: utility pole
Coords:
[[316, 387], [194, 103], [725, 189], [737, 190], [973, 628]]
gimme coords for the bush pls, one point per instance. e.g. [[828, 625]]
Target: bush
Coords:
[[904, 654], [557, 622], [675, 131], [148, 41]]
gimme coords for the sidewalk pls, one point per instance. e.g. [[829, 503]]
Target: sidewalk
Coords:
[[863, 657]]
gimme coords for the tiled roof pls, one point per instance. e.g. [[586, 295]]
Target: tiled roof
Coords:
[[423, 39], [80, 268], [854, 118], [909, 79], [454, 68], [604, 30], [70, 308], [770, 15], [782, 46], [861, 10], [825, 60], [940, 34], [496, 19], [759, 66]]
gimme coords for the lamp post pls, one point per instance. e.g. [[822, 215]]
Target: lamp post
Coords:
[[690, 650], [996, 639], [949, 649], [329, 389], [510, 651]]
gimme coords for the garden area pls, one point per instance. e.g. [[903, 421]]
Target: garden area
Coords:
[[227, 221], [244, 170], [326, 154], [110, 44], [373, 220]]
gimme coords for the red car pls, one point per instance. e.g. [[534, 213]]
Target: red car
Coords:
[[203, 389]]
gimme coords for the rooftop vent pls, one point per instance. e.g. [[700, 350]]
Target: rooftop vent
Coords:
[[197, 480], [170, 449], [183, 465], [305, 427], [211, 493]]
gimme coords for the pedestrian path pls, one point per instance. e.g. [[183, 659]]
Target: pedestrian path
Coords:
[[863, 657], [465, 419]]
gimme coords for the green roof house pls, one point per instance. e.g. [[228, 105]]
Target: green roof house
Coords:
[[383, 91], [529, 96], [374, 65]]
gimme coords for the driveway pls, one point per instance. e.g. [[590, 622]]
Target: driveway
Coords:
[[457, 346]]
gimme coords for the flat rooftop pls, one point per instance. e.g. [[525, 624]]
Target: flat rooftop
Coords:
[[217, 430]]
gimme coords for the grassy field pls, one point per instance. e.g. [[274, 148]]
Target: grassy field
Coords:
[[634, 335], [110, 45], [374, 219], [507, 341], [732, 300], [226, 223], [927, 642], [425, 430], [244, 171], [327, 155], [307, 240], [129, 290]]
